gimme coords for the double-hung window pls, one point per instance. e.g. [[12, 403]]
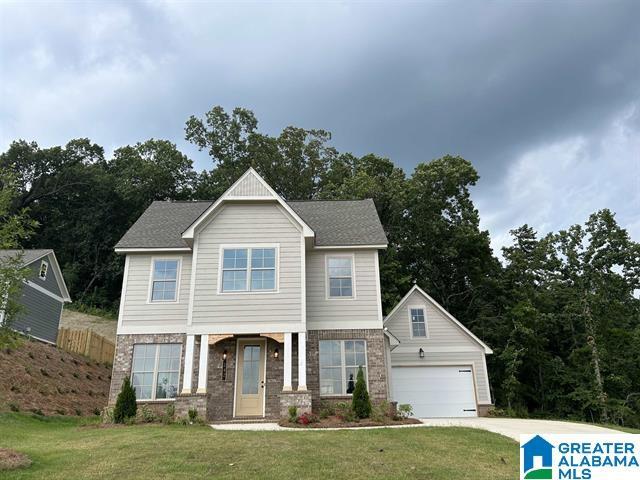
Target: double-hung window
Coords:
[[249, 269], [155, 372], [340, 276], [164, 280], [339, 364], [418, 323]]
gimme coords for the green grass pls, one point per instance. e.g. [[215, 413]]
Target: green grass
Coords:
[[63, 449], [618, 427]]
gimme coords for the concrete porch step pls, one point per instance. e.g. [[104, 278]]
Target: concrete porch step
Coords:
[[247, 420]]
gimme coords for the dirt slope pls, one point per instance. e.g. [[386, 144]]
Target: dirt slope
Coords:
[[38, 376], [82, 321]]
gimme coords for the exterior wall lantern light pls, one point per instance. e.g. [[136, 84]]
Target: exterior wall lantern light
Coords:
[[421, 352], [276, 353]]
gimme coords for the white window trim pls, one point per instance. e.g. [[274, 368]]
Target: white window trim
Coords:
[[248, 247], [155, 373], [344, 366], [178, 275], [353, 276], [426, 324], [46, 271]]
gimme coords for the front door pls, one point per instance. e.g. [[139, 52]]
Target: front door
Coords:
[[250, 376]]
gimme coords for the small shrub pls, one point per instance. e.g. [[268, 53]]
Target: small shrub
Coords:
[[345, 412], [13, 407], [47, 356], [31, 356], [90, 393], [75, 375], [145, 414], [360, 402], [106, 415], [126, 402], [327, 410], [60, 411], [193, 415], [380, 413], [15, 388], [74, 391], [75, 362], [96, 412], [79, 412], [307, 418], [99, 377], [38, 412], [60, 390], [28, 370], [293, 414], [169, 414], [62, 359], [405, 410], [88, 377]]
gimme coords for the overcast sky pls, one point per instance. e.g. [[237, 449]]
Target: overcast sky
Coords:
[[543, 97]]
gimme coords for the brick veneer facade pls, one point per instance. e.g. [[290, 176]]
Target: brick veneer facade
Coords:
[[217, 404], [376, 362]]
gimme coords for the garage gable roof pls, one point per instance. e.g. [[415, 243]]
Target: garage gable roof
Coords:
[[487, 349]]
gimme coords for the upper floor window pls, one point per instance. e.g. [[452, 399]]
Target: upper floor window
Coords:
[[340, 276], [418, 324], [164, 286], [156, 370], [44, 267], [248, 269]]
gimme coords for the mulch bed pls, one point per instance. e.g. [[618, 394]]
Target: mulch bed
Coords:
[[337, 422], [10, 459]]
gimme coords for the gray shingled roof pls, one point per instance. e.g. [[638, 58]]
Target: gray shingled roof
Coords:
[[342, 222], [28, 256], [335, 223], [162, 224]]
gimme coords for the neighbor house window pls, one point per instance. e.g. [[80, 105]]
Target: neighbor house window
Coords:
[[340, 276], [418, 325], [155, 372], [248, 269], [44, 267], [165, 281], [339, 363]]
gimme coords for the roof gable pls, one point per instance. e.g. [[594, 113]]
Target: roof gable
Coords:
[[31, 256], [250, 181], [416, 289]]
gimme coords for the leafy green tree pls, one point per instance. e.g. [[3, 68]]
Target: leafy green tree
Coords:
[[360, 402], [126, 406], [14, 229]]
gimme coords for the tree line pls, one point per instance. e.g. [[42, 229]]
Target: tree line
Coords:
[[558, 310]]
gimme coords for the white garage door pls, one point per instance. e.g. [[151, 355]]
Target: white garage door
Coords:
[[435, 391]]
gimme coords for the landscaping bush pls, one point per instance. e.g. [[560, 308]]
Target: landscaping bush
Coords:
[[126, 403], [107, 415], [381, 412], [193, 415], [307, 418], [13, 407], [169, 414], [405, 410], [360, 402], [345, 412], [145, 414], [327, 410], [293, 414]]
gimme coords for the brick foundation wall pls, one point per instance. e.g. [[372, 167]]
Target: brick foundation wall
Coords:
[[186, 402], [376, 366]]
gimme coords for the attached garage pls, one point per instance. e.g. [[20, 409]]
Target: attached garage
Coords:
[[436, 391], [435, 363]]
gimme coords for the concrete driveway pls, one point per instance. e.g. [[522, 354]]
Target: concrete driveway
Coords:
[[514, 427]]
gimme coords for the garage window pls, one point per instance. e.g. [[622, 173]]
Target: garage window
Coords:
[[339, 363], [418, 323]]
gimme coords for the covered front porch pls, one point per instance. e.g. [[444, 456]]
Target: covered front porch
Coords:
[[249, 376]]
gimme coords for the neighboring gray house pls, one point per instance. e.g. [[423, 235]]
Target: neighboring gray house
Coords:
[[43, 295], [244, 306]]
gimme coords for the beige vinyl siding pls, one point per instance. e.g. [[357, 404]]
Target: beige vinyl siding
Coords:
[[447, 344], [360, 312], [247, 224], [157, 316], [250, 186]]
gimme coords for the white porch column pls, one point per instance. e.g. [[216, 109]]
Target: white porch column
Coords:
[[287, 363], [204, 361], [302, 361], [188, 365]]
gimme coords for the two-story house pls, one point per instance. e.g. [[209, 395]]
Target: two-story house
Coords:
[[244, 306]]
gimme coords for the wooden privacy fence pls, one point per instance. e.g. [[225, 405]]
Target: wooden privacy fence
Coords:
[[87, 343]]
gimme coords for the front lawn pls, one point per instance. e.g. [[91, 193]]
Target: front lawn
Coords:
[[62, 449]]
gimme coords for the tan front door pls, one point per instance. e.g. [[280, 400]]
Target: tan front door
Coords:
[[250, 384]]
